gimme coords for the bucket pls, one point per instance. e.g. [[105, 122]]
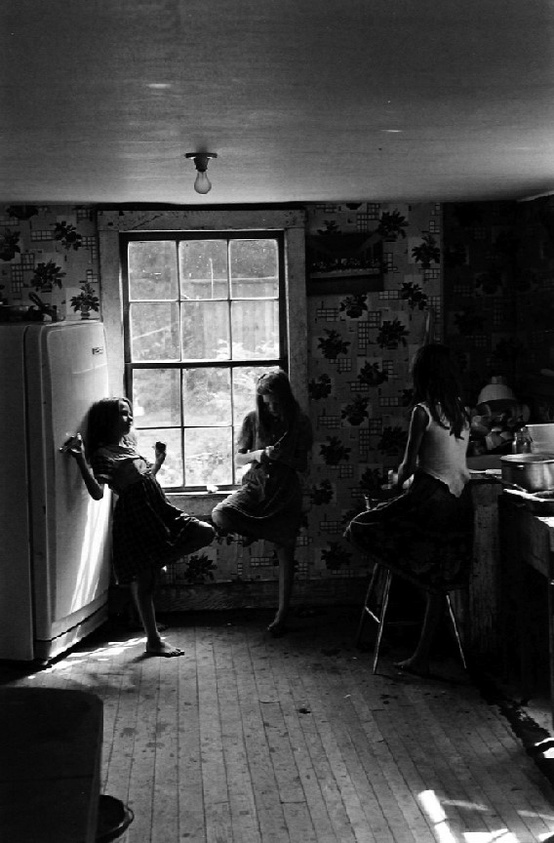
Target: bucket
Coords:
[[113, 818]]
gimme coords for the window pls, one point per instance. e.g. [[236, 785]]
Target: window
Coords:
[[203, 317]]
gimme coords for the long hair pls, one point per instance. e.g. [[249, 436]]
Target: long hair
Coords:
[[275, 382], [102, 423], [437, 383]]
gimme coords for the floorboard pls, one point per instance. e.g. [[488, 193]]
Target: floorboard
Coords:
[[249, 739]]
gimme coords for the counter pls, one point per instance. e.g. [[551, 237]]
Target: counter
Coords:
[[527, 594]]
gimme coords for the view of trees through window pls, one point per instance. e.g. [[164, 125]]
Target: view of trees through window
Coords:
[[203, 321]]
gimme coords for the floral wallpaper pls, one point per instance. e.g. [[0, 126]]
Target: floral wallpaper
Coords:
[[499, 293], [364, 326], [49, 258], [381, 279]]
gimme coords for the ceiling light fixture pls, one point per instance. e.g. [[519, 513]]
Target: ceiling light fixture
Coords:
[[201, 160]]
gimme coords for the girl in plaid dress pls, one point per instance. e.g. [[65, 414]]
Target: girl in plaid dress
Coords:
[[425, 533], [148, 532], [275, 442]]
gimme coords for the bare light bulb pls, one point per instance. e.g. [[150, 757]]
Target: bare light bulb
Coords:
[[202, 183]]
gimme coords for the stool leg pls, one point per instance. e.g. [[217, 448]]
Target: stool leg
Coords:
[[381, 620], [455, 628], [366, 611]]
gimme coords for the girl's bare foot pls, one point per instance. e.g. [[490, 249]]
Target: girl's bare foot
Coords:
[[161, 648], [277, 628]]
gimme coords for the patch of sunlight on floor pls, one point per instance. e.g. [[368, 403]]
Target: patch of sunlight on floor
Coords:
[[432, 806], [434, 810], [461, 803], [103, 653]]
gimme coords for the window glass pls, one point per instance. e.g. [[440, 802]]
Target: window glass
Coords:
[[205, 330], [203, 269], [209, 456], [202, 324], [207, 397], [255, 329], [154, 331], [152, 270], [254, 268], [156, 397]]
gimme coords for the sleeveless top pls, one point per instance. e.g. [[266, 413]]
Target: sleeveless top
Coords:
[[443, 456]]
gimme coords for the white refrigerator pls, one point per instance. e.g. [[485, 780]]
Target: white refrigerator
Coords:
[[54, 538]]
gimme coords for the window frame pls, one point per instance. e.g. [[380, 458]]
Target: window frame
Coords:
[[114, 221], [183, 365]]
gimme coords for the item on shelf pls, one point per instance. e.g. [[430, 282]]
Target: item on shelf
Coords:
[[542, 438], [495, 390]]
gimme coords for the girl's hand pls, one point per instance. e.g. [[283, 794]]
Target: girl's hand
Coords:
[[75, 447], [160, 452]]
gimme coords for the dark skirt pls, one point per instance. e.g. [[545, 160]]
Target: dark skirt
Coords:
[[425, 534], [268, 505], [149, 532]]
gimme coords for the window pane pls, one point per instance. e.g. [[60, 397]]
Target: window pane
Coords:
[[152, 270], [254, 269], [171, 473], [154, 331], [255, 329], [156, 397], [203, 268], [205, 327], [207, 397], [208, 456], [244, 392]]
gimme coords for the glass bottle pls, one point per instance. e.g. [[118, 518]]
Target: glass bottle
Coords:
[[522, 441]]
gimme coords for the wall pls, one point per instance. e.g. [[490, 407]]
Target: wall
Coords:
[[60, 238], [374, 293], [499, 292]]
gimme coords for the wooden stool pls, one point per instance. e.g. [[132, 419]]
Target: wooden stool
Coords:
[[378, 613]]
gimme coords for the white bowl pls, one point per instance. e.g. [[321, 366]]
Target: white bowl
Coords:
[[542, 438]]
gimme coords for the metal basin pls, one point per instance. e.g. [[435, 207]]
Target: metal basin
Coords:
[[534, 472]]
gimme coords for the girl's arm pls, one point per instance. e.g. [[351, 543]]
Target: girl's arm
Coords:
[[94, 488], [243, 457], [246, 440], [160, 455], [418, 426]]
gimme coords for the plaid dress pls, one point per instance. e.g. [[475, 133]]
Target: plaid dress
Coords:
[[147, 531], [424, 534], [268, 504]]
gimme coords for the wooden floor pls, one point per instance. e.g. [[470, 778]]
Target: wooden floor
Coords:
[[248, 739]]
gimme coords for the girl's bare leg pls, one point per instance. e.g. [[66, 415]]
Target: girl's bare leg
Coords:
[[285, 554], [143, 588], [419, 661]]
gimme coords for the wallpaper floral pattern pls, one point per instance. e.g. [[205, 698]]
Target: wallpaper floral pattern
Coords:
[[51, 252], [381, 280]]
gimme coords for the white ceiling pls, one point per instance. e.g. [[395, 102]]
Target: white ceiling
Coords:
[[302, 100]]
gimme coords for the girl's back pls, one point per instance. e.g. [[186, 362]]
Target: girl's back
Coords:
[[442, 454]]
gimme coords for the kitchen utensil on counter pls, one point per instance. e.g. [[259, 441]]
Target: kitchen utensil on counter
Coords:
[[541, 503], [533, 472]]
